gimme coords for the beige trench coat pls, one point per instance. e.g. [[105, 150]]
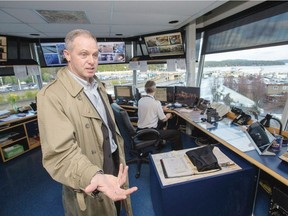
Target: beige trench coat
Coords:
[[71, 139]]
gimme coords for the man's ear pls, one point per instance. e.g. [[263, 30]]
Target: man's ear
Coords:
[[67, 55]]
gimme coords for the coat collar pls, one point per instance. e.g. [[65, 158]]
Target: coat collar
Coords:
[[72, 86]]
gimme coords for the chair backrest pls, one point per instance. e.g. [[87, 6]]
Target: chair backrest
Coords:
[[137, 95], [124, 124]]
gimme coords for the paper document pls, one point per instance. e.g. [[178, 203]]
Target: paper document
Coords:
[[235, 137], [176, 167], [180, 165], [225, 162], [243, 144], [228, 133]]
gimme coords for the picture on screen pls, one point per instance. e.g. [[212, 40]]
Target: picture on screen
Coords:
[[111, 52], [187, 95], [165, 94], [123, 92], [3, 48], [164, 44], [53, 54]]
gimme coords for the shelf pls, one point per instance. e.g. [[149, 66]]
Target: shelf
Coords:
[[9, 142], [22, 134]]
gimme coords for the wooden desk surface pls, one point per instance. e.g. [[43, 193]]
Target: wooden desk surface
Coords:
[[14, 118]]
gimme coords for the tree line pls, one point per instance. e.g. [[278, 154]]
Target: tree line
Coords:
[[241, 62]]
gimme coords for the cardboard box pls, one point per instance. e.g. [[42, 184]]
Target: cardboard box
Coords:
[[13, 151]]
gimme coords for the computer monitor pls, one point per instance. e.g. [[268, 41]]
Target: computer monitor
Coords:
[[123, 92], [165, 94], [53, 53], [167, 44], [187, 95]]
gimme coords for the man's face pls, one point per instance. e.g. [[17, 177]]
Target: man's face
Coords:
[[83, 57]]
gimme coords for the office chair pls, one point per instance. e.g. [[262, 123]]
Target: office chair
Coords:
[[138, 144]]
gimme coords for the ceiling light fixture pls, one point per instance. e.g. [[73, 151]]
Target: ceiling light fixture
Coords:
[[73, 17]]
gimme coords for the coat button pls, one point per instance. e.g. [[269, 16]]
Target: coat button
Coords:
[[87, 125], [79, 97]]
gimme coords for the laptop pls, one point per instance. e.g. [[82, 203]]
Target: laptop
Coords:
[[260, 138]]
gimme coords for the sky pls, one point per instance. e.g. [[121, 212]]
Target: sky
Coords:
[[269, 53]]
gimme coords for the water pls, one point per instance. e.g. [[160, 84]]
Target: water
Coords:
[[276, 75]]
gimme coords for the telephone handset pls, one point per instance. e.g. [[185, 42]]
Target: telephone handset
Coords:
[[242, 119], [221, 109]]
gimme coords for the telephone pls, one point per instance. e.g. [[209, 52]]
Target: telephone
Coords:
[[203, 104], [221, 109], [242, 119]]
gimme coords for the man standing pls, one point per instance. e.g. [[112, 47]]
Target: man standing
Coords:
[[82, 148]]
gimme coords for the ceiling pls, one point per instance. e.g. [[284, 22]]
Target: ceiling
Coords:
[[105, 19]]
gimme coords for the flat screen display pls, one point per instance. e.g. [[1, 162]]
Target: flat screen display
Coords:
[[187, 95], [164, 44], [123, 92], [165, 94], [53, 54], [111, 52]]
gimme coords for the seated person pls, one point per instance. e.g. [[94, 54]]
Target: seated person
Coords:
[[151, 114]]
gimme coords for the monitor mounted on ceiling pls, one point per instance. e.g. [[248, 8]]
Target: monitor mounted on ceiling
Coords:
[[169, 44], [111, 52], [3, 48], [53, 53]]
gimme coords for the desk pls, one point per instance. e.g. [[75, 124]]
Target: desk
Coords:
[[269, 164], [230, 193], [270, 168]]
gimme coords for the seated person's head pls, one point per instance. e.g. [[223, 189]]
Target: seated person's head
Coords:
[[150, 87]]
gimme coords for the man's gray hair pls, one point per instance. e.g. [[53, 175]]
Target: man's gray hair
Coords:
[[70, 36], [150, 86]]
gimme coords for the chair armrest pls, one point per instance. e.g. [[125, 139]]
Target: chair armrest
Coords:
[[148, 131], [133, 119], [147, 134]]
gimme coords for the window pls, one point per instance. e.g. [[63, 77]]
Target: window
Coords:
[[17, 92], [255, 80]]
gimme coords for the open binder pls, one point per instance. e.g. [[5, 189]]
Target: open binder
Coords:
[[181, 166]]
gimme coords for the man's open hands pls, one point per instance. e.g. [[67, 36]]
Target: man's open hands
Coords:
[[111, 185]]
